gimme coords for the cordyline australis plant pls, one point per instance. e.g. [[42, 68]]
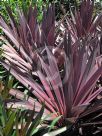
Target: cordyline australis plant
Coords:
[[27, 54], [84, 21], [28, 33], [70, 95], [81, 23]]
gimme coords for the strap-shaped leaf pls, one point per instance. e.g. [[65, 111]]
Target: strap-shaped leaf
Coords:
[[9, 124], [36, 122]]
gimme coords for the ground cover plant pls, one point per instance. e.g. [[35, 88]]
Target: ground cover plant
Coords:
[[24, 5], [18, 122], [32, 53]]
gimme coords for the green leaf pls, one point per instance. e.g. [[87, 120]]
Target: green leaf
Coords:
[[8, 85], [1, 51], [36, 122], [35, 131], [1, 133], [30, 118], [16, 122], [10, 82], [54, 122], [9, 125], [3, 116]]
